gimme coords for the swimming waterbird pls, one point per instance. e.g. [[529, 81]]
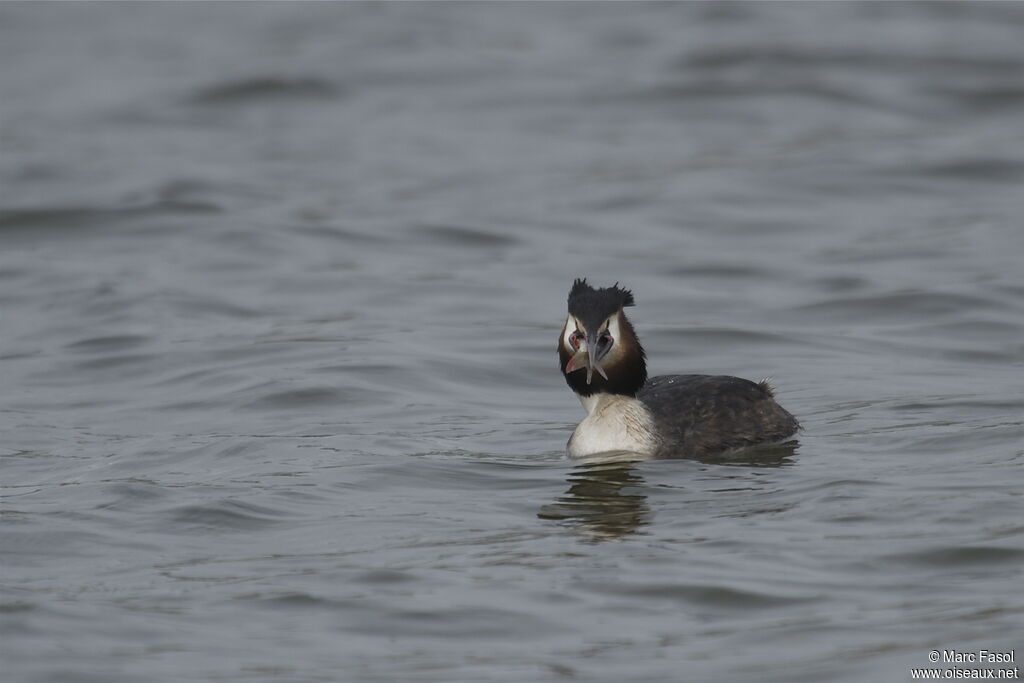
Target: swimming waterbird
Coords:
[[665, 416]]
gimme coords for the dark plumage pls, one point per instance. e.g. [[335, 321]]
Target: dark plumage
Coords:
[[593, 306], [699, 415]]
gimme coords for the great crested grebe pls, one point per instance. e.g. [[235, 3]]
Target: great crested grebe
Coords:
[[665, 416]]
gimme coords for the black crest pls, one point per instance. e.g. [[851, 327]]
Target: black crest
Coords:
[[626, 367], [592, 306]]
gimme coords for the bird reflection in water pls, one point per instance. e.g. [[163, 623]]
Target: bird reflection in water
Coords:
[[606, 501]]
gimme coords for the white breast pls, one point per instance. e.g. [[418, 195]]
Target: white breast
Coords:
[[614, 423]]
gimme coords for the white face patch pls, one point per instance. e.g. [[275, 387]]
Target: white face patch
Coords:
[[611, 324], [570, 326], [613, 328]]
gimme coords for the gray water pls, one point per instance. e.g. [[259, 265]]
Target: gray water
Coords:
[[280, 288]]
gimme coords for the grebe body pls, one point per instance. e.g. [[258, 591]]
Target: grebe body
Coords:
[[667, 416]]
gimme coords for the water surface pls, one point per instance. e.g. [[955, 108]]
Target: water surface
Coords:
[[280, 288]]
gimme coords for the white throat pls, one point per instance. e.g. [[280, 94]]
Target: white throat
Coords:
[[613, 423]]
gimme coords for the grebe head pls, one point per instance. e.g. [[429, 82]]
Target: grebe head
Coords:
[[598, 350]]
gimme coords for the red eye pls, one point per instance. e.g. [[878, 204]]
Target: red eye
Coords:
[[575, 338]]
